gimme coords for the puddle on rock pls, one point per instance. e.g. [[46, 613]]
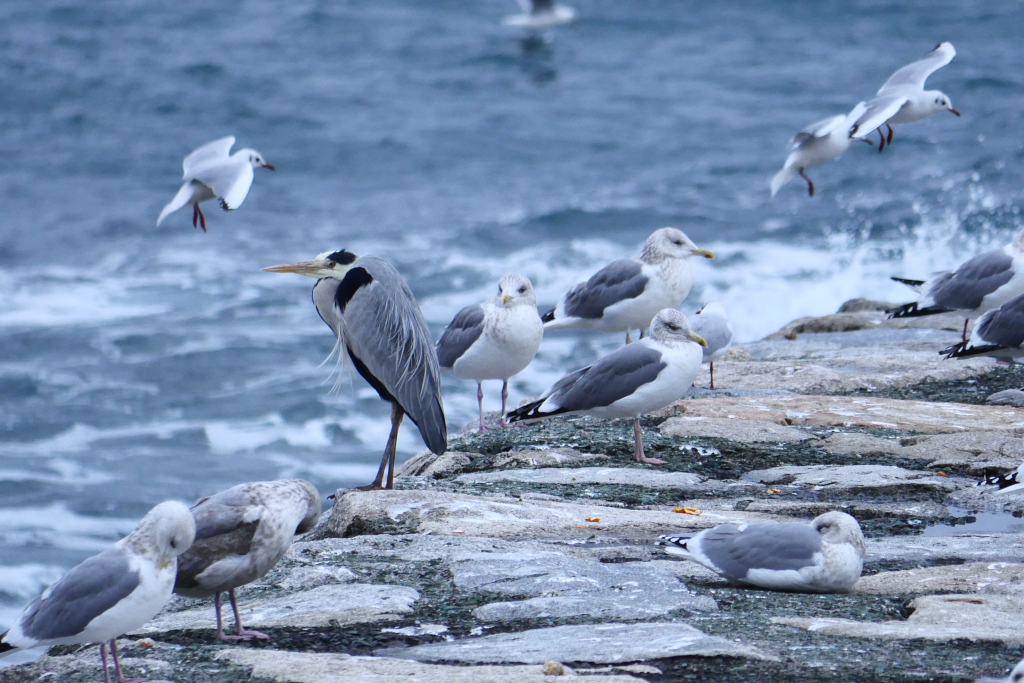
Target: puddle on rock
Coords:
[[965, 521]]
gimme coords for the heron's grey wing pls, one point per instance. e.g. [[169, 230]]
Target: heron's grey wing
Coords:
[[461, 333], [230, 181], [211, 152], [913, 75], [618, 281], [1004, 326], [87, 591], [968, 285], [760, 545], [877, 111], [614, 377], [389, 343]]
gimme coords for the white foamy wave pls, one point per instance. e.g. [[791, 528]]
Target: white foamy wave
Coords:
[[56, 526]]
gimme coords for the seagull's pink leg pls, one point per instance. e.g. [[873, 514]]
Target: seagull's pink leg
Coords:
[[712, 374], [638, 446], [810, 183], [240, 633], [888, 138], [881, 142], [117, 666], [103, 656], [504, 400], [202, 217]]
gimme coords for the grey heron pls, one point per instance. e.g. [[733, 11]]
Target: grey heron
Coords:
[[379, 325]]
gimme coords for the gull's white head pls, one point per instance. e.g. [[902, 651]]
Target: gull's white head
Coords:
[[165, 532], [254, 157], [328, 264], [939, 101], [670, 327], [712, 309], [839, 527], [516, 290], [671, 243]]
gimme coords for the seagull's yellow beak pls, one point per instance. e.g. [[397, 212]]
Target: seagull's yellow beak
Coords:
[[506, 298], [310, 268], [706, 253], [694, 337]]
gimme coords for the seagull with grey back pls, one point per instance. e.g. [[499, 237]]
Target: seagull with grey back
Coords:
[[241, 534], [380, 328], [109, 594], [630, 381], [540, 15], [1008, 482], [494, 340], [626, 294], [903, 99], [825, 556], [819, 142], [998, 333], [1015, 676], [212, 172], [712, 324]]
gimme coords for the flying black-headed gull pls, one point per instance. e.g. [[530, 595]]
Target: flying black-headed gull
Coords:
[[540, 15], [241, 534], [630, 381], [998, 333], [494, 340], [712, 323], [903, 99], [980, 284], [112, 593], [819, 142], [626, 294], [211, 172], [1015, 676], [825, 556]]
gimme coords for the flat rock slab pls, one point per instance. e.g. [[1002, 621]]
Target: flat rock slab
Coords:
[[630, 476], [976, 577], [438, 512], [935, 617], [975, 450], [595, 643], [853, 478], [298, 667], [856, 411], [743, 431], [969, 547], [353, 603]]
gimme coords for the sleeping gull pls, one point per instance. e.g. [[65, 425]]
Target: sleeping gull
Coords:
[[1009, 482], [1015, 676], [241, 534], [539, 15], [630, 381], [903, 99], [819, 142], [979, 284], [711, 323], [380, 328], [211, 173], [825, 556], [494, 340], [626, 294], [109, 594], [998, 333]]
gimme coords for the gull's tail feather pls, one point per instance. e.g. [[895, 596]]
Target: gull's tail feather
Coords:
[[912, 310], [782, 177], [913, 284], [548, 317], [964, 349], [675, 545], [6, 648], [180, 200]]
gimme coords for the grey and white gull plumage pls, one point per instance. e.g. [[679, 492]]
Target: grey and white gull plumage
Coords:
[[1008, 482], [1015, 676], [712, 324], [998, 333], [212, 172], [241, 533], [630, 381], [626, 294], [825, 556], [540, 15], [109, 594], [819, 142], [496, 339]]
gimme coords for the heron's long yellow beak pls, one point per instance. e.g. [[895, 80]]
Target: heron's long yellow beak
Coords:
[[706, 253], [310, 268], [694, 337]]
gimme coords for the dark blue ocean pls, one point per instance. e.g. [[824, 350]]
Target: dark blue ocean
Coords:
[[139, 364]]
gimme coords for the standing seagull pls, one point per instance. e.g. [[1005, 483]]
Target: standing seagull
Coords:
[[630, 381], [539, 15], [494, 340], [241, 534], [819, 142], [998, 333], [626, 294], [379, 325], [1015, 676], [825, 556], [711, 323], [109, 594], [903, 99], [979, 284], [210, 173]]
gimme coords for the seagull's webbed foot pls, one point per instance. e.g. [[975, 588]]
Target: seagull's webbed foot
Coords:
[[638, 447], [243, 636]]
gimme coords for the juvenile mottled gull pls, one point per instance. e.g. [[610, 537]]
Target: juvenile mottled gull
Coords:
[[998, 333], [626, 294], [494, 340], [825, 556], [630, 381], [539, 15], [1009, 482], [711, 323], [819, 142], [112, 593], [381, 329], [903, 99], [1015, 676], [979, 284], [241, 534], [212, 173]]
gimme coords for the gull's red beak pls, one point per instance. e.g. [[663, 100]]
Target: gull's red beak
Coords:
[[955, 112], [270, 167]]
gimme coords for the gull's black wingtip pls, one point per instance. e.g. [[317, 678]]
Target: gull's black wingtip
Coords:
[[548, 317]]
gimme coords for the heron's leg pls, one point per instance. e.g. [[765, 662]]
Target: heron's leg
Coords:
[[810, 183], [117, 666], [504, 402], [396, 418], [240, 633], [480, 401], [103, 657], [888, 138], [638, 446], [712, 374]]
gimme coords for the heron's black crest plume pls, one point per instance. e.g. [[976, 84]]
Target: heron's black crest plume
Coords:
[[350, 284], [343, 257]]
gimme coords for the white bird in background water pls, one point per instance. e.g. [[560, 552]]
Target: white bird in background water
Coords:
[[539, 15], [494, 340], [112, 593], [211, 172], [819, 142], [903, 99], [712, 324]]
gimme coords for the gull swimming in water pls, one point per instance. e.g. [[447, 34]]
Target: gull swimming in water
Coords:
[[380, 328], [903, 99], [712, 324], [494, 340], [630, 381], [211, 172], [626, 294], [539, 15], [825, 556], [819, 142], [241, 534], [109, 594]]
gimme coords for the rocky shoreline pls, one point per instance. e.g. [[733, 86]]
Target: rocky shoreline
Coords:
[[526, 553]]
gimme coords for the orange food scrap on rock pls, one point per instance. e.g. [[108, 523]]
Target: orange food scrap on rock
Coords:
[[688, 511], [593, 519]]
